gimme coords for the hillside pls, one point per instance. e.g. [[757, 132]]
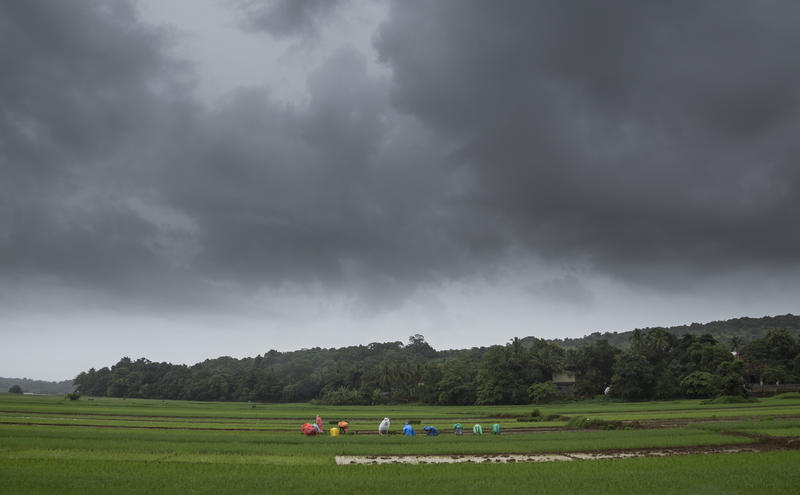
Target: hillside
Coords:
[[746, 329], [37, 386]]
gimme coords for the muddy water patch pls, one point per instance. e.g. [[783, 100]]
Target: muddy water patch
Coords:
[[538, 457], [450, 459]]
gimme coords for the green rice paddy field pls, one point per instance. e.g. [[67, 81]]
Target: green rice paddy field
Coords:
[[52, 445]]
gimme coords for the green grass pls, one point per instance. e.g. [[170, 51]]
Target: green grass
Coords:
[[143, 413], [773, 472], [772, 427], [127, 456], [607, 409], [35, 442]]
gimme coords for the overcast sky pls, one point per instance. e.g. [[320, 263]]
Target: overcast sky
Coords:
[[185, 179]]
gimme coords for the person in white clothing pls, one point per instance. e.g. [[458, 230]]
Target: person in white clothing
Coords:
[[383, 429]]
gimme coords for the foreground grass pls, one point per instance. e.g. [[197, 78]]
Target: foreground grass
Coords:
[[772, 472], [124, 457]]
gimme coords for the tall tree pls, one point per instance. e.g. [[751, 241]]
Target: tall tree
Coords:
[[633, 377]]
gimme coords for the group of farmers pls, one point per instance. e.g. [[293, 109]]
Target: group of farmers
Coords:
[[431, 431], [315, 428]]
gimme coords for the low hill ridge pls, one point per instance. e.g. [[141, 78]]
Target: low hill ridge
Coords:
[[745, 328], [37, 386]]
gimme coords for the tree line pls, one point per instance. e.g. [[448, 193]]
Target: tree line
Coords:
[[655, 365]]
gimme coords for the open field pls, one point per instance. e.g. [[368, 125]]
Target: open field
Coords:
[[232, 415], [50, 445]]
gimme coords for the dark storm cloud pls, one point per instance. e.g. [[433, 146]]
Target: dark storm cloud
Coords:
[[311, 194], [631, 134], [640, 138], [114, 179], [286, 17], [78, 88], [342, 192]]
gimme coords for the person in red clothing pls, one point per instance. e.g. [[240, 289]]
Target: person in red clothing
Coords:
[[319, 423]]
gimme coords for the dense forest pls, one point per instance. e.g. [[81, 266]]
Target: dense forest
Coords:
[[654, 364]]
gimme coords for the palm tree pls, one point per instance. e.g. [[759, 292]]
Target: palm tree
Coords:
[[736, 342], [637, 341]]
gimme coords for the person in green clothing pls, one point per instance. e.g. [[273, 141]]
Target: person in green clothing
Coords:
[[496, 429], [458, 429], [477, 430]]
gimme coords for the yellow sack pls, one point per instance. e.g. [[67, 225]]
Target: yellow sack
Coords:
[[334, 431]]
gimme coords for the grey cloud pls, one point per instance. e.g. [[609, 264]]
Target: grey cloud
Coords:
[[566, 289], [341, 192], [286, 17], [645, 137], [77, 95], [144, 193], [623, 135]]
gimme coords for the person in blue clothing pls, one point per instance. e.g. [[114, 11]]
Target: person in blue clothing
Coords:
[[432, 431], [408, 430]]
